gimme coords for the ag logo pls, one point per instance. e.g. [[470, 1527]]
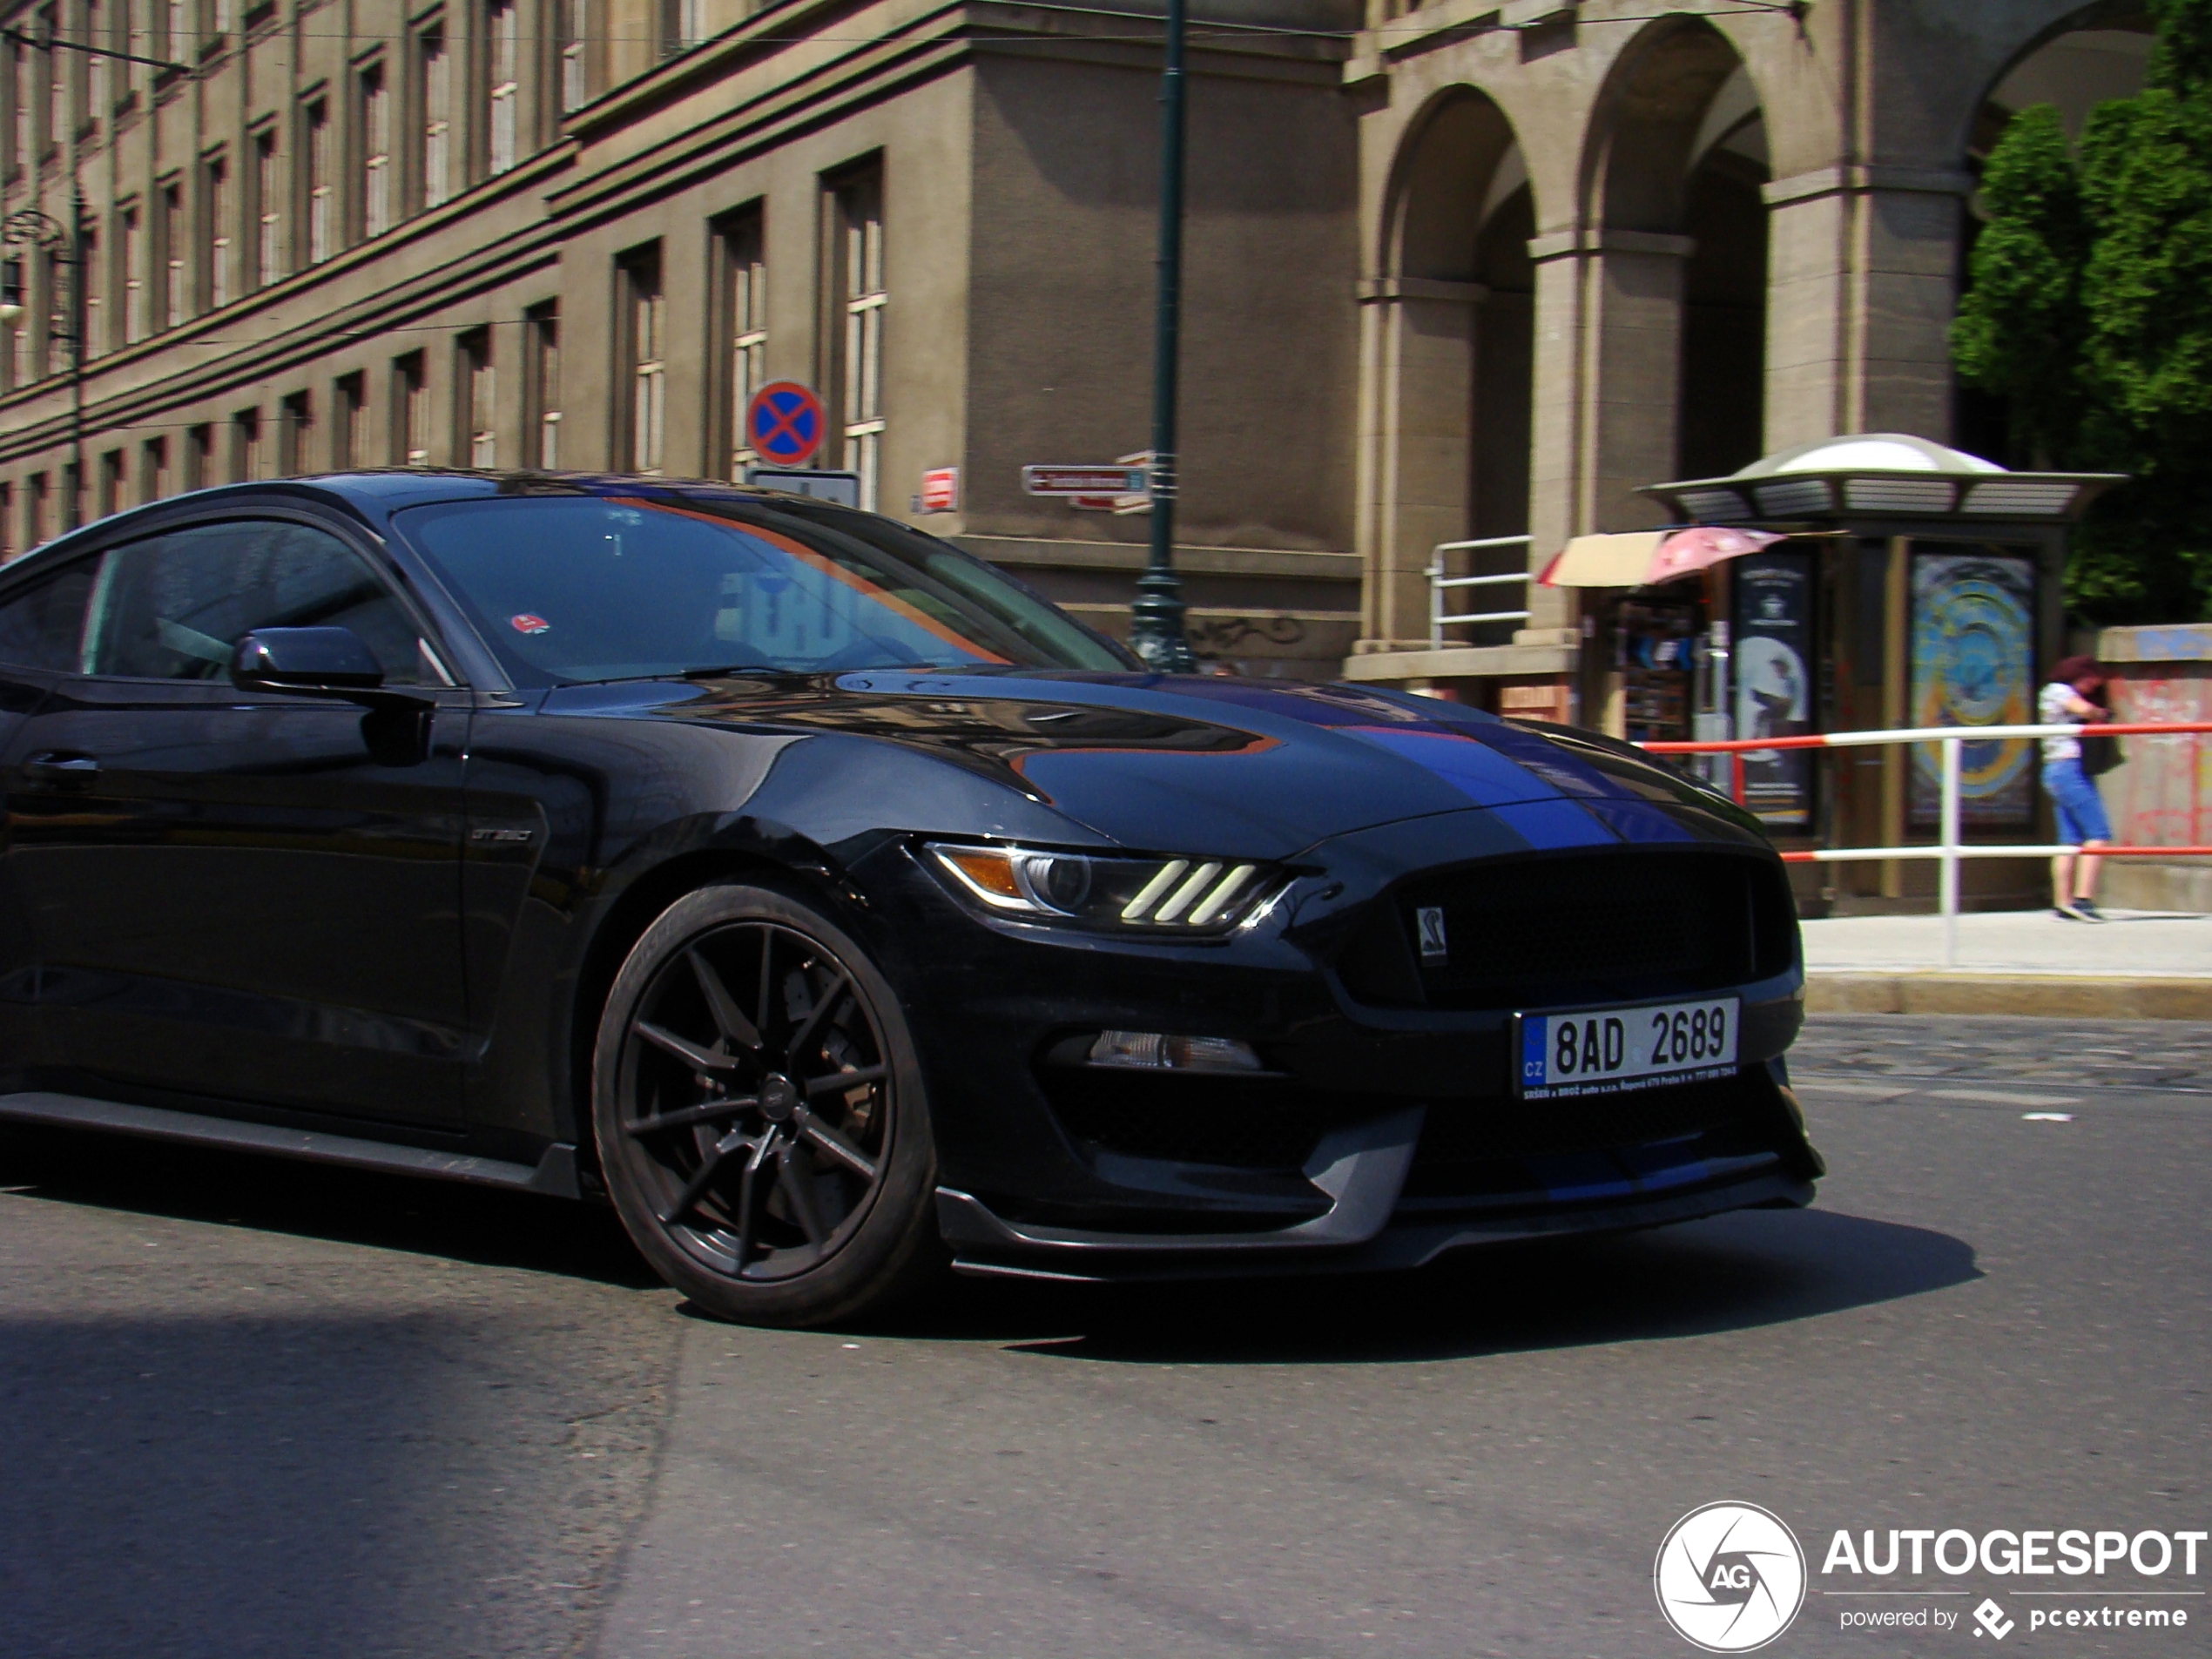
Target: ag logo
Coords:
[[1729, 1577]]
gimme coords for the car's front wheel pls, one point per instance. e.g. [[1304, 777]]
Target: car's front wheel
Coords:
[[759, 1114]]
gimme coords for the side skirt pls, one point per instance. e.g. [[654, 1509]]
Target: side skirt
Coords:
[[555, 1174]]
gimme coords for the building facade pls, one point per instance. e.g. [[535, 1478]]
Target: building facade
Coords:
[[1470, 271], [1608, 244], [579, 233]]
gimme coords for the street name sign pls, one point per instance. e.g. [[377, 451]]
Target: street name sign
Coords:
[[1084, 481]]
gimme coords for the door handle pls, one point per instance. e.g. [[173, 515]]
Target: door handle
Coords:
[[62, 771]]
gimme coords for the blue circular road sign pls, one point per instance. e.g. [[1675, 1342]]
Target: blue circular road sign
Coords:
[[784, 424]]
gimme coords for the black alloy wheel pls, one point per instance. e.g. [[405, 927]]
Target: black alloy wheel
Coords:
[[759, 1115]]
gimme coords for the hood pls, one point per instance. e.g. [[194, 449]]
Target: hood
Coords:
[[1252, 768]]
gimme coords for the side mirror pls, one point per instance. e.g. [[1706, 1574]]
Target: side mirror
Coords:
[[331, 661]]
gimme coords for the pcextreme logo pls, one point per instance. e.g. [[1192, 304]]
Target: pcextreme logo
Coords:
[[1729, 1577]]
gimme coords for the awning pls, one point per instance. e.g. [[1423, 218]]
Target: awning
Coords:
[[1639, 558]]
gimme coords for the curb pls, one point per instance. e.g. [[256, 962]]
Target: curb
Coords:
[[2052, 995]]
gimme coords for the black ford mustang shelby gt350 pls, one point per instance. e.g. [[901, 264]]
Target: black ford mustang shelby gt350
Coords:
[[836, 907]]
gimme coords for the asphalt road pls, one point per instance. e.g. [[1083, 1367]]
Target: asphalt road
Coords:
[[252, 1408]]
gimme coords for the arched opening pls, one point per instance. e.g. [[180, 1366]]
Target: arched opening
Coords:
[[1454, 345], [2104, 54], [1724, 286], [1678, 222]]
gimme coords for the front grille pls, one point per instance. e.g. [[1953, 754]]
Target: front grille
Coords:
[[1230, 1123], [1555, 931], [1477, 1147]]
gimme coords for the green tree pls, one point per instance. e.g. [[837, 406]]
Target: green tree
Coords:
[[2090, 309]]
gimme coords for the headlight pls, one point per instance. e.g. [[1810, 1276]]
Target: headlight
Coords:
[[1183, 895]]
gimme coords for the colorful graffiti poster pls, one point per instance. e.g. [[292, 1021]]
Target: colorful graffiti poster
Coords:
[[1973, 664], [1774, 684]]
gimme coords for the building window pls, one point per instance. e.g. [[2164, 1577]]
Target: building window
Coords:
[[248, 462], [23, 93], [542, 385], [434, 91], [51, 316], [7, 521], [376, 151], [349, 423], [56, 84], [682, 24], [645, 338], [575, 90], [171, 253], [176, 30], [503, 39], [479, 403], [94, 276], [39, 510], [131, 256], [111, 486], [322, 193], [858, 298], [268, 211], [217, 198], [295, 434], [745, 300], [200, 456], [96, 82], [410, 411], [154, 481]]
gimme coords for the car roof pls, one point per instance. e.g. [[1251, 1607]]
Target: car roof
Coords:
[[374, 494]]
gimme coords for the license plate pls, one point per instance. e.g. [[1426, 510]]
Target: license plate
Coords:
[[1609, 1051]]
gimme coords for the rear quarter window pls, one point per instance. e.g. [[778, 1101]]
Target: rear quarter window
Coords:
[[42, 625]]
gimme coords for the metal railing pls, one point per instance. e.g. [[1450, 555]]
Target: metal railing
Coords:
[[1948, 848], [1438, 622]]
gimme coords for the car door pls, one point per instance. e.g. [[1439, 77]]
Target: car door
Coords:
[[248, 898], [42, 628]]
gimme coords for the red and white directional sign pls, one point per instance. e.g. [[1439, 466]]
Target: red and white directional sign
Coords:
[[940, 490], [1083, 480]]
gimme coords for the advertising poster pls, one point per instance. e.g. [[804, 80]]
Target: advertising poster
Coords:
[[1774, 683], [1974, 633]]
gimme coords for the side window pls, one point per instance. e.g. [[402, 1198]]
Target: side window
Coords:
[[43, 625], [173, 607]]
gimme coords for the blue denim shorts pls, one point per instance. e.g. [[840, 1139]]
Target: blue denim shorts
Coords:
[[2081, 810]]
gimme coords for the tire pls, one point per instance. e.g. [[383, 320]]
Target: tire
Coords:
[[751, 1176]]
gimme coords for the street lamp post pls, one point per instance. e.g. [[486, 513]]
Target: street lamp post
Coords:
[[1156, 617], [28, 227]]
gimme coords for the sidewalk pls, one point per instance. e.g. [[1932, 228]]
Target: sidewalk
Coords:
[[2139, 965]]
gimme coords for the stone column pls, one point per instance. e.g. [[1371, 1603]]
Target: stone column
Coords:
[[1608, 371], [1416, 346], [1862, 284]]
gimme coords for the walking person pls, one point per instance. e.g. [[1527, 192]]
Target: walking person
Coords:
[[2080, 810]]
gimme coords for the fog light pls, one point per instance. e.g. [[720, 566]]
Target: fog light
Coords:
[[1152, 1051]]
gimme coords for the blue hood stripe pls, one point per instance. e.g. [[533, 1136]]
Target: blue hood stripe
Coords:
[[1549, 825]]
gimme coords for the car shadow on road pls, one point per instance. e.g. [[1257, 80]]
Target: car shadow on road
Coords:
[[1733, 1272], [483, 1225]]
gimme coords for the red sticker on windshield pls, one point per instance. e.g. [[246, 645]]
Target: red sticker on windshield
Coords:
[[526, 623]]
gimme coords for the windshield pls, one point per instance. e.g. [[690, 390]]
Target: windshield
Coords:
[[570, 588]]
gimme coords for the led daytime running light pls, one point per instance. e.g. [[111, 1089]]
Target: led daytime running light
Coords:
[[1178, 895]]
